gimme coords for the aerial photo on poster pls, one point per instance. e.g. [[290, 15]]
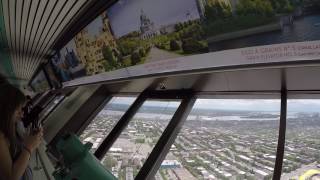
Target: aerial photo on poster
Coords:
[[40, 83], [141, 31], [54, 81]]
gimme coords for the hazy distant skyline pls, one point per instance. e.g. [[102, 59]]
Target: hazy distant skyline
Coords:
[[273, 105]]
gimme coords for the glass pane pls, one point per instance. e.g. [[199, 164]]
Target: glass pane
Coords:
[[103, 123], [302, 147], [225, 139], [132, 148], [51, 106]]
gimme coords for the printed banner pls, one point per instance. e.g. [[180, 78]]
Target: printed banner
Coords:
[[40, 83], [152, 33]]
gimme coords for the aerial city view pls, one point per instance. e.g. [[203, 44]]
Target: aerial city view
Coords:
[[237, 140]]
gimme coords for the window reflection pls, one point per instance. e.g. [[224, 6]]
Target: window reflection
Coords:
[[51, 106]]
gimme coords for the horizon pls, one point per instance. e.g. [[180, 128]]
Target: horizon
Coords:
[[237, 110], [266, 106]]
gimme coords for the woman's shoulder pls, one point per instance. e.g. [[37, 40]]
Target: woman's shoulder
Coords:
[[3, 138], [1, 135]]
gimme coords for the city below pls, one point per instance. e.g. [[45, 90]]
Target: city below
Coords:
[[212, 144]]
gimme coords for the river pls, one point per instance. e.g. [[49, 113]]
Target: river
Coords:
[[157, 116], [305, 28]]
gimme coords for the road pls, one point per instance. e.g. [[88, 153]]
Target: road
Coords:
[[156, 54], [299, 172]]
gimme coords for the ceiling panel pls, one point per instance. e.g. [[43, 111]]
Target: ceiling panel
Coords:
[[5, 9], [35, 28], [22, 24], [18, 12], [59, 5], [32, 26], [29, 27], [65, 14]]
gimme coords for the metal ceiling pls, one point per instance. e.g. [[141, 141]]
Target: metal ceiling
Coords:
[[301, 81], [32, 27]]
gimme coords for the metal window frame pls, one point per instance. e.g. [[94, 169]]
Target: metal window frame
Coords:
[[119, 127], [46, 99], [84, 114], [46, 116], [159, 152], [49, 65], [37, 71], [188, 97], [167, 138], [281, 136], [54, 93], [92, 115], [161, 149], [129, 114]]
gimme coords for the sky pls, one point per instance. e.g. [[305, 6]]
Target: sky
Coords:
[[270, 105], [95, 27], [124, 16]]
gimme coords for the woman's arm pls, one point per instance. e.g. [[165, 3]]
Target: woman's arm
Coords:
[[14, 170], [8, 169]]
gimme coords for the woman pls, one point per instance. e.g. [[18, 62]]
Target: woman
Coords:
[[14, 152]]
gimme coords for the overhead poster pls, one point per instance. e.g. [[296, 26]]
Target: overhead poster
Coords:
[[54, 81], [137, 32], [40, 83]]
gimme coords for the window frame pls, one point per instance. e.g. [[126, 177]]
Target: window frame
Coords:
[[188, 98]]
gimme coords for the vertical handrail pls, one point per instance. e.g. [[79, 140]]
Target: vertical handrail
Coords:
[[161, 149], [119, 127], [282, 134]]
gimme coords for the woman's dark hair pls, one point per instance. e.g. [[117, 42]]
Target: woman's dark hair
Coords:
[[10, 99], [2, 79]]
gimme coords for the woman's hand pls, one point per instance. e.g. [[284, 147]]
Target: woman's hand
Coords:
[[33, 141]]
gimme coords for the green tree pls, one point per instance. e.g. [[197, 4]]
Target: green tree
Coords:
[[264, 8], [161, 46], [282, 6], [177, 27], [185, 24], [288, 8], [135, 58], [174, 45], [108, 56], [227, 11], [217, 10], [142, 52], [193, 46], [255, 7], [126, 46]]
